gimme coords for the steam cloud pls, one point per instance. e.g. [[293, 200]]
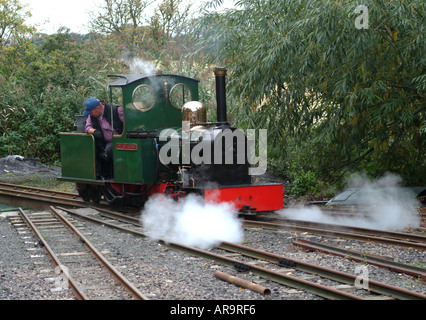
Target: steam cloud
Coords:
[[138, 65], [191, 222], [388, 205]]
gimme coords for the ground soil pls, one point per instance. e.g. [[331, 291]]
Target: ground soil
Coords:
[[16, 169]]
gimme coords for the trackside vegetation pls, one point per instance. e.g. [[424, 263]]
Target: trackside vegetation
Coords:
[[339, 85]]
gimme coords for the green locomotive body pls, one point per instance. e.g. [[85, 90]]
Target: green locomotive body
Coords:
[[150, 104], [162, 112]]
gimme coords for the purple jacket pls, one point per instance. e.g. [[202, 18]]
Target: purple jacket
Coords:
[[106, 127]]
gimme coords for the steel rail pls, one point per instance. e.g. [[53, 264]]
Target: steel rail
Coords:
[[79, 294], [285, 279], [116, 215], [389, 234], [375, 286], [378, 287], [362, 257], [334, 232], [42, 195], [114, 272], [37, 190]]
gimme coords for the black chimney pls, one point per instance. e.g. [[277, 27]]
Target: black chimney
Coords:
[[220, 74]]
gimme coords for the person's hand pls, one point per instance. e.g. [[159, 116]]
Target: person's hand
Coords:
[[98, 134]]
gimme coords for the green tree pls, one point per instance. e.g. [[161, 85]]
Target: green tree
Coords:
[[348, 81], [12, 22], [14, 43], [56, 61], [169, 39], [169, 20], [123, 18]]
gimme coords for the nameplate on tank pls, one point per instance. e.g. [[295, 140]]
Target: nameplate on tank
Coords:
[[127, 146]]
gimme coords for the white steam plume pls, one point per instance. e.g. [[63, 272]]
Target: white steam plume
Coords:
[[138, 65], [191, 221], [388, 206]]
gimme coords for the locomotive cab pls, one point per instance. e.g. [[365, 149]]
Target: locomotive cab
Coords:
[[150, 103]]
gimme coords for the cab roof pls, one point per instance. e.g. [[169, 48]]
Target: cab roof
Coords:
[[125, 79]]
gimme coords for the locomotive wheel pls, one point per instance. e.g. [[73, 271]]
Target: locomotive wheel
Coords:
[[89, 193], [94, 194], [83, 191]]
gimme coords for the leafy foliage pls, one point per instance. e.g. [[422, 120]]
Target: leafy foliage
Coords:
[[12, 27], [303, 69], [335, 98], [45, 79]]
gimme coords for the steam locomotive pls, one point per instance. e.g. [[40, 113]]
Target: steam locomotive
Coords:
[[167, 147]]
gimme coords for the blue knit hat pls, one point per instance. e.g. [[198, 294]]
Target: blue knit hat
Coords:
[[89, 105]]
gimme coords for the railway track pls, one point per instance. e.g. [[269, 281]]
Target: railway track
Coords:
[[43, 199], [280, 265], [381, 291], [81, 267], [20, 195], [363, 257], [403, 239], [355, 212], [23, 196]]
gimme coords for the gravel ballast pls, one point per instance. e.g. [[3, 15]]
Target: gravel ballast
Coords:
[[162, 273], [166, 274]]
